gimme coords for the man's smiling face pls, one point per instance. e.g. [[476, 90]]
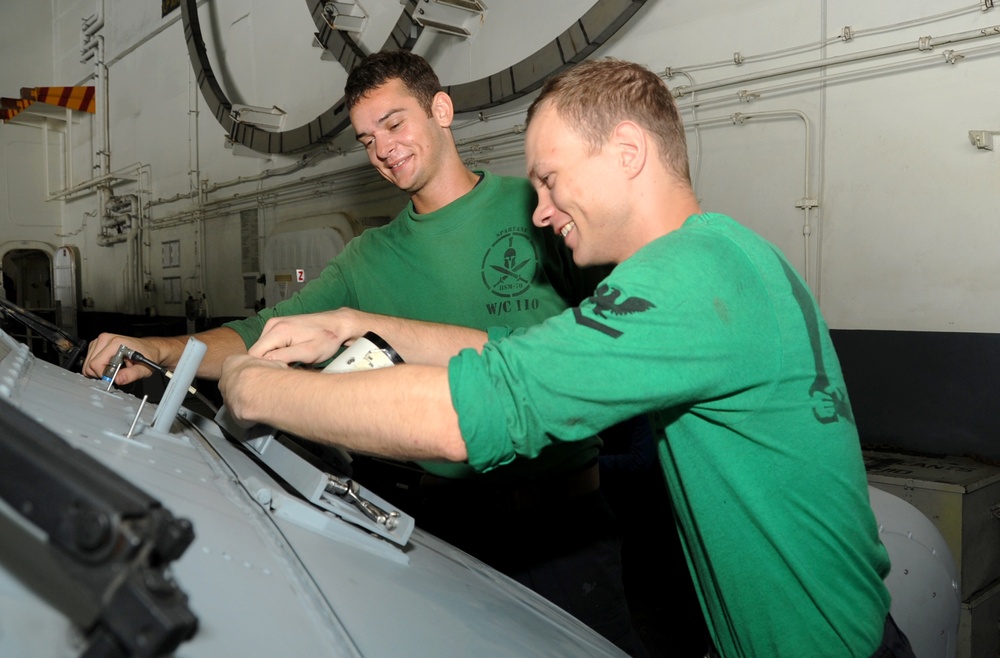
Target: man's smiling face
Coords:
[[404, 143], [575, 188]]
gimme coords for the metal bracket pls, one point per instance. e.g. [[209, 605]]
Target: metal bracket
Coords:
[[951, 56], [272, 118], [338, 495], [461, 18], [345, 16], [316, 486], [984, 139]]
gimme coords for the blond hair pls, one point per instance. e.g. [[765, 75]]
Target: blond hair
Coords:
[[595, 96]]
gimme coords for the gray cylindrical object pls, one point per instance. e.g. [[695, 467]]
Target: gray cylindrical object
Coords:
[[184, 374]]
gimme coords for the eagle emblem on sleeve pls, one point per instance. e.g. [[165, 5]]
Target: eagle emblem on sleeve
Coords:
[[606, 301]]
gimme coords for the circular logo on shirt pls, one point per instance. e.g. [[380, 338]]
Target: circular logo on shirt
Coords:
[[509, 264]]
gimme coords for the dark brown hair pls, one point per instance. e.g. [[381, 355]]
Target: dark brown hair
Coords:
[[379, 68]]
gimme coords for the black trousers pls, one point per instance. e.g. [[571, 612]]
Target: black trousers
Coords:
[[894, 643]]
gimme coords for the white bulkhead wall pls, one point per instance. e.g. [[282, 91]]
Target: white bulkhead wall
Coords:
[[862, 172], [23, 214]]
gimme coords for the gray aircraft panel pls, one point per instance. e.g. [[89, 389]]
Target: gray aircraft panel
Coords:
[[270, 574]]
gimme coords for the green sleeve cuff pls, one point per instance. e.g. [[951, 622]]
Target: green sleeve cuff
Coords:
[[481, 418]]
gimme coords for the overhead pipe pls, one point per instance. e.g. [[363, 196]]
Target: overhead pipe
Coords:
[[108, 240], [269, 173], [67, 148], [321, 181], [194, 137], [923, 44], [119, 211], [821, 131], [45, 154], [91, 26], [93, 49], [103, 109], [106, 179], [93, 23], [747, 95], [241, 202], [136, 290]]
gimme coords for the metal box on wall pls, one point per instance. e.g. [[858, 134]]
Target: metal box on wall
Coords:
[[977, 624], [960, 496]]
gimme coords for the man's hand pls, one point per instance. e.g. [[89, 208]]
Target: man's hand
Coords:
[[308, 338], [165, 350], [103, 348], [317, 337], [243, 391]]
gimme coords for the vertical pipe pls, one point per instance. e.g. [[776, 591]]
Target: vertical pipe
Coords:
[[821, 160], [194, 148], [184, 374], [68, 150], [137, 228], [45, 155], [105, 95]]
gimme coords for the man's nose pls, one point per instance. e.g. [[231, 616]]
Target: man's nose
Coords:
[[543, 211], [383, 147]]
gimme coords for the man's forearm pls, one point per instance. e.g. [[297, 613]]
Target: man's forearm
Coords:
[[221, 344], [316, 337], [403, 412], [425, 343]]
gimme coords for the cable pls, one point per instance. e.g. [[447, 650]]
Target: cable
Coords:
[[133, 355]]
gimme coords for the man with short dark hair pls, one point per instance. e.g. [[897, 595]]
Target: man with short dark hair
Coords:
[[702, 324]]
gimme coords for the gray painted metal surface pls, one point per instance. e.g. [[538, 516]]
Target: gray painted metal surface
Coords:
[[270, 573]]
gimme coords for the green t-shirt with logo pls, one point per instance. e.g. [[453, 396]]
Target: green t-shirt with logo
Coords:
[[710, 331], [478, 262]]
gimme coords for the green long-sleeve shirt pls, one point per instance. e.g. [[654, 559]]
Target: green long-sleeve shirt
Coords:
[[477, 262], [710, 331]]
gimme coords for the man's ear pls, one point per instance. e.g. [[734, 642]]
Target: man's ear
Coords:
[[629, 141], [442, 109]]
